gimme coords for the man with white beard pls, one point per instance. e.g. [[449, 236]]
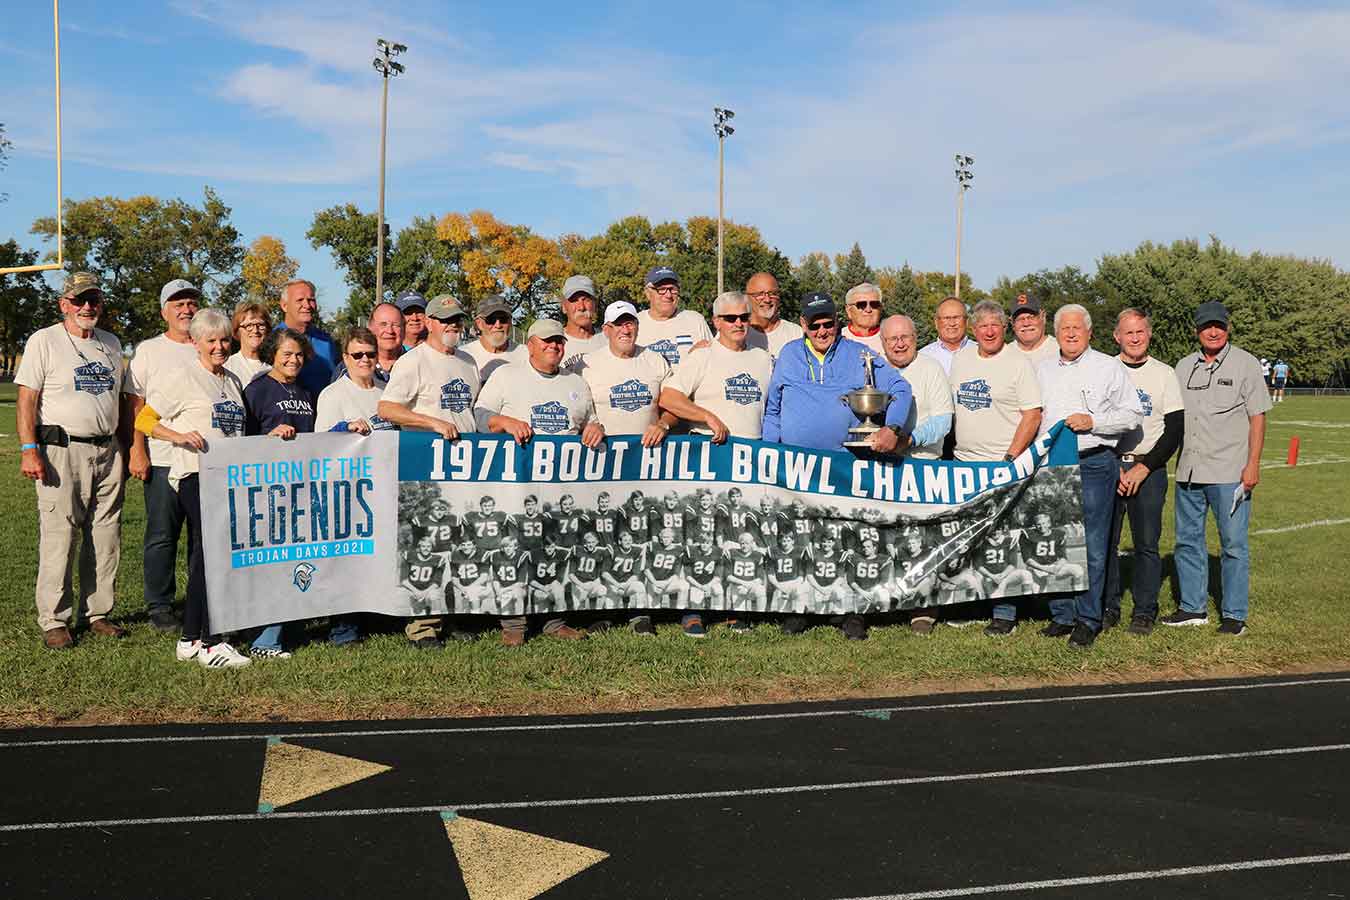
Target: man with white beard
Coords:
[[493, 347]]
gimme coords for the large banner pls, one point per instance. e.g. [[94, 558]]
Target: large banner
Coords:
[[301, 529]]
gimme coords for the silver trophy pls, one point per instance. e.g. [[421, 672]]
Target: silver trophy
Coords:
[[868, 404]]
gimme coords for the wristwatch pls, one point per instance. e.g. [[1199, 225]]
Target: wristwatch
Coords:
[[897, 431], [1008, 457]]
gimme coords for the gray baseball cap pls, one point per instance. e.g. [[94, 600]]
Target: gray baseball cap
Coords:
[[493, 303], [444, 306], [578, 284], [178, 286]]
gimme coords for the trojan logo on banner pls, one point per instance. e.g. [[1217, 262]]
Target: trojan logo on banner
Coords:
[[485, 526], [300, 529]]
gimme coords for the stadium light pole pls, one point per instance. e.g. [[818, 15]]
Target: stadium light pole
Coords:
[[384, 64], [965, 176], [723, 131]]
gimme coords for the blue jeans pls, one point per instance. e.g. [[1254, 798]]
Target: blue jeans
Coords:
[[271, 637], [1100, 473], [1145, 512], [344, 629], [163, 523], [1192, 558]]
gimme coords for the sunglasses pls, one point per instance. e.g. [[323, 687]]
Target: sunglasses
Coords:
[[362, 354], [738, 317], [85, 300], [822, 325], [867, 304], [498, 319], [453, 322]]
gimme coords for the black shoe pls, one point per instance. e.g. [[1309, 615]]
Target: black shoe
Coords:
[[165, 621], [1181, 617], [1000, 628], [463, 637], [428, 643], [1110, 619], [1056, 630], [793, 625], [739, 626], [599, 625], [1082, 636], [643, 625], [1141, 625], [1232, 627], [854, 628]]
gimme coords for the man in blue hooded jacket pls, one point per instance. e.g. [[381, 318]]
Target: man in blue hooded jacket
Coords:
[[803, 405]]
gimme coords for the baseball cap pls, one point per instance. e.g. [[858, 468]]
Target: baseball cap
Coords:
[[662, 273], [1211, 311], [176, 287], [442, 306], [617, 309], [409, 299], [578, 284], [1025, 302], [78, 282], [817, 304], [545, 328], [494, 303]]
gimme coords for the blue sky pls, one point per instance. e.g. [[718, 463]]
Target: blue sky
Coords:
[[1093, 127]]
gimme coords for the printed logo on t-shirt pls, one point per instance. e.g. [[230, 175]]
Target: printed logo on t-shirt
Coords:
[[668, 349], [630, 396], [743, 389], [378, 424], [227, 417], [456, 396], [295, 406], [93, 378], [974, 395], [1145, 401], [550, 418]]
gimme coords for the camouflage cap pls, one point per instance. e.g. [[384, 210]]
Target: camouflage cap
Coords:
[[79, 282]]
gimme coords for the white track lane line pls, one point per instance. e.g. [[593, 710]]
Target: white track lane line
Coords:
[[692, 720], [1319, 523], [1245, 865], [692, 795]]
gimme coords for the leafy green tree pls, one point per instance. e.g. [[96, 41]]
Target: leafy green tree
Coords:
[[350, 235], [850, 269], [26, 303], [901, 295], [815, 273]]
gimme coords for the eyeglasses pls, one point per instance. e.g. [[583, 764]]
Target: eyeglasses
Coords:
[[867, 304], [764, 295], [362, 354], [252, 326], [822, 325], [738, 317], [1210, 368], [667, 289], [86, 299], [498, 319]]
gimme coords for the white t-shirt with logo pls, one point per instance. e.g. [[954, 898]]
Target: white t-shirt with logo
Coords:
[[196, 400], [346, 401], [774, 341], [1159, 393], [79, 380], [157, 358], [489, 362], [550, 404], [729, 384], [625, 391], [673, 338], [990, 394], [246, 369], [932, 397], [443, 385], [1049, 349], [576, 347]]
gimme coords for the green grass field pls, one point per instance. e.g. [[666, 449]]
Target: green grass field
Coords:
[[1300, 620]]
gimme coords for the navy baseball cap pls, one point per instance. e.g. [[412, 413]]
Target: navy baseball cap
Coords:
[[409, 299], [1211, 311], [1025, 302], [817, 304], [662, 273]]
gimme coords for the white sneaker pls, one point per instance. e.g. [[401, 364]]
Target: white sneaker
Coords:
[[186, 651], [222, 656]]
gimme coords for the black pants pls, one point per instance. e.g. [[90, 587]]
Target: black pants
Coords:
[[195, 622]]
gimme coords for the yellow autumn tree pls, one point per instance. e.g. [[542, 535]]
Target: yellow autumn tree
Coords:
[[496, 257], [266, 269]]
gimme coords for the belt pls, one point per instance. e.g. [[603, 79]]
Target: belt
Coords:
[[1101, 448], [98, 440], [1127, 457]]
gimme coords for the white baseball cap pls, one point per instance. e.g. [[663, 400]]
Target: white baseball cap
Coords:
[[618, 309]]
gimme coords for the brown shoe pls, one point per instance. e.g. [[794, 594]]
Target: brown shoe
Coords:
[[58, 638], [567, 633], [513, 637], [103, 626]]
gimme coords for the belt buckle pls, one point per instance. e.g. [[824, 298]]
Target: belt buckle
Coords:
[[1127, 457]]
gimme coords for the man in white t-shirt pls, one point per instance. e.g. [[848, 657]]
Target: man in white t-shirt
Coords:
[[721, 387], [997, 398], [625, 379], [933, 408], [579, 299], [667, 329], [433, 388], [950, 321], [155, 359], [492, 349], [768, 329], [71, 446], [1142, 488], [862, 309], [1028, 328]]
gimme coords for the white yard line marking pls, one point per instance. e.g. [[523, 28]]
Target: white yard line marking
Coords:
[[1329, 461], [1245, 865], [1319, 523], [692, 795], [692, 720]]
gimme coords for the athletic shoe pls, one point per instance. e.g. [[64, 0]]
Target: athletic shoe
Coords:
[[693, 627], [165, 621], [793, 625], [1110, 619], [1232, 627], [643, 625], [268, 653], [854, 628], [599, 626], [428, 643], [1000, 628], [1057, 630], [1181, 617], [1141, 625], [186, 651], [221, 656], [739, 626], [1082, 637], [922, 625]]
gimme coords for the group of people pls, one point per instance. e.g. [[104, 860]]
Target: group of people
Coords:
[[86, 421]]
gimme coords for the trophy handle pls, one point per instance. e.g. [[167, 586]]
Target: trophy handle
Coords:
[[843, 398]]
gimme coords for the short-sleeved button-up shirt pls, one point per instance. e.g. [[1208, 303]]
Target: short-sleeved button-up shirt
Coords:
[[1221, 398]]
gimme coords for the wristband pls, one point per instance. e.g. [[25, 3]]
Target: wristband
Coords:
[[24, 447]]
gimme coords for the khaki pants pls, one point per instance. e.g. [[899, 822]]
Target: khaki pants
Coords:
[[81, 496]]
